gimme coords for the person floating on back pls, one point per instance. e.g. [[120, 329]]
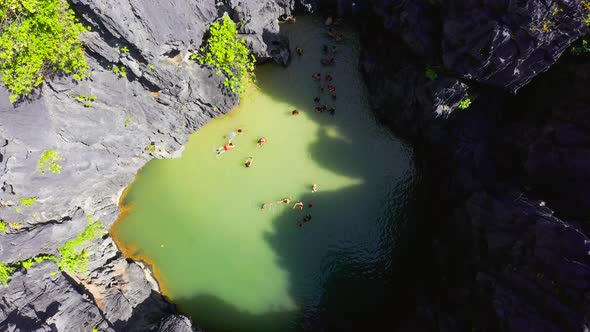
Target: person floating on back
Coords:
[[314, 188], [225, 148], [299, 205], [262, 141], [248, 162]]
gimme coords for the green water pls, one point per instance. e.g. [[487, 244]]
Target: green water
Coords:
[[234, 267]]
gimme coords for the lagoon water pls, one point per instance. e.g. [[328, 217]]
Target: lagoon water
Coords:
[[234, 267]]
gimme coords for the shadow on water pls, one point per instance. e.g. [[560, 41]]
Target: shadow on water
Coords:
[[360, 283]]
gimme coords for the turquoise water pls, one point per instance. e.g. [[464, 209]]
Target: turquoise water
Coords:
[[235, 267]]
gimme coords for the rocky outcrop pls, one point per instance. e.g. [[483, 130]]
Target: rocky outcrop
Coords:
[[164, 97], [509, 172]]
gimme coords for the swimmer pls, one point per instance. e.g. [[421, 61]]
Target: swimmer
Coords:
[[310, 205], [285, 201], [334, 49], [316, 76], [325, 48], [265, 206], [299, 205], [332, 111], [233, 134], [328, 61], [295, 112], [299, 51], [329, 77], [262, 141], [318, 109], [314, 188], [316, 99], [225, 148], [307, 218], [331, 88], [248, 162]]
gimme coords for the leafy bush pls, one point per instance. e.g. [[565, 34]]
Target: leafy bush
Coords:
[[36, 37], [72, 258], [128, 122], [48, 162], [151, 148], [430, 73], [582, 47], [3, 227], [124, 49], [121, 71], [229, 55], [87, 100], [5, 272], [465, 103]]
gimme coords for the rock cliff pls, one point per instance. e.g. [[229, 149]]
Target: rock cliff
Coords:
[[505, 244]]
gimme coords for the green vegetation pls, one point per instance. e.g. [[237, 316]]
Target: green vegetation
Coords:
[[128, 122], [151, 67], [87, 100], [5, 272], [586, 11], [28, 201], [48, 162], [28, 263], [121, 71], [15, 225], [582, 47], [465, 103], [151, 148], [229, 55], [430, 73], [3, 228], [72, 258], [36, 38], [124, 49]]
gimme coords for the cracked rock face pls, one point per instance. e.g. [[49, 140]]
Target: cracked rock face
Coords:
[[163, 98]]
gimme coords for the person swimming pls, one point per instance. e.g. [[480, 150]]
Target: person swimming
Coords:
[[329, 77], [285, 201], [299, 205], [233, 134], [316, 76], [332, 111], [316, 99], [265, 206], [295, 112], [225, 148], [262, 141], [314, 188], [248, 162], [299, 51]]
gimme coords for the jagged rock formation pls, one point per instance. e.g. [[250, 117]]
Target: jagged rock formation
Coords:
[[510, 172], [502, 257], [163, 98]]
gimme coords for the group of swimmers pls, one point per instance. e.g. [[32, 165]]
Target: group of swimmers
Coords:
[[230, 145], [298, 205]]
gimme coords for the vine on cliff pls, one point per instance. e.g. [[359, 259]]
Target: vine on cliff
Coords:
[[38, 37], [229, 55]]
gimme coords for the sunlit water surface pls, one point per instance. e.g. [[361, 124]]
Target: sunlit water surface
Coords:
[[233, 267]]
